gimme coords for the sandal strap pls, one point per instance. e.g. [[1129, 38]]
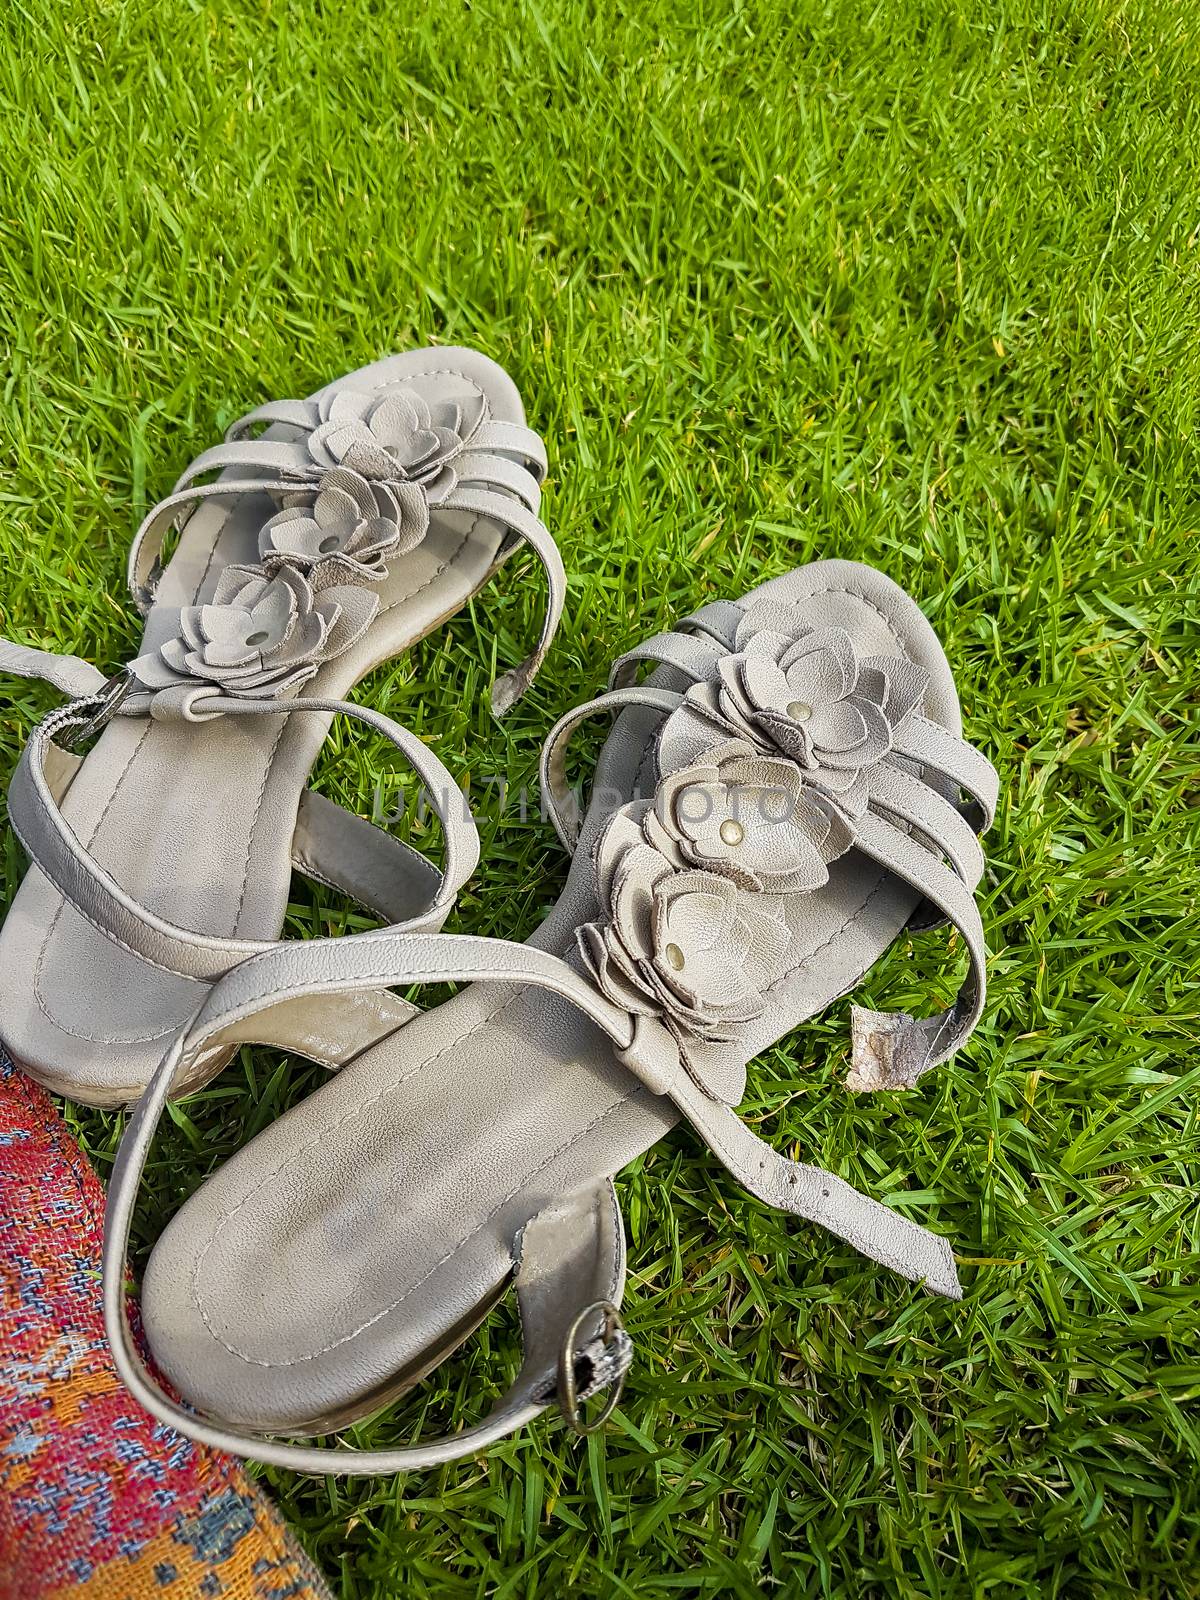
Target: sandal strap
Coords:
[[561, 801], [389, 957], [512, 439], [497, 477], [300, 414], [330, 845], [69, 674], [277, 462], [718, 620], [897, 793], [498, 472], [691, 646], [522, 524], [689, 653], [940, 751], [61, 856], [874, 1230], [144, 566], [569, 1260], [244, 1002], [370, 866], [891, 1050]]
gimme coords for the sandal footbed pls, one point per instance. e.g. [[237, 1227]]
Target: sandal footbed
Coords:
[[327, 1259], [196, 820]]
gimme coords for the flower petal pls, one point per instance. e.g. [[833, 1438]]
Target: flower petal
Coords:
[[364, 455], [768, 617], [225, 625], [620, 833], [395, 424], [333, 507], [273, 615], [347, 405], [292, 534], [836, 726], [239, 586], [355, 488], [790, 737], [190, 627], [768, 937], [635, 881], [835, 648], [404, 409], [352, 612], [764, 684], [158, 669], [904, 685], [371, 537], [687, 734], [596, 953], [695, 908]]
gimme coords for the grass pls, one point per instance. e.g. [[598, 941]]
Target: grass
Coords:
[[912, 282]]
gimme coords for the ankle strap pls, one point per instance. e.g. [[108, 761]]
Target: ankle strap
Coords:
[[247, 1003], [569, 1276], [61, 856]]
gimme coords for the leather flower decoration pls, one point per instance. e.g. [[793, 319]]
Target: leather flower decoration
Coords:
[[393, 435], [347, 531], [686, 945], [749, 817], [261, 636], [806, 693]]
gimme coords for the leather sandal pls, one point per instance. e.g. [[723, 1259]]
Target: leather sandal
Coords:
[[787, 791], [324, 537]]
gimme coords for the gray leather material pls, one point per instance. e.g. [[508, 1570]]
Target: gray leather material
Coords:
[[353, 1239], [328, 1029], [330, 845], [165, 946], [559, 797], [565, 1259], [68, 674], [498, 477], [335, 847], [928, 744], [915, 1044], [691, 654], [485, 503], [196, 822]]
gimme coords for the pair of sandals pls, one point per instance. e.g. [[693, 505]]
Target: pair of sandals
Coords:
[[784, 790]]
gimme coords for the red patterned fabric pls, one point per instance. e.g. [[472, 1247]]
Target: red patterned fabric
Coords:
[[96, 1498]]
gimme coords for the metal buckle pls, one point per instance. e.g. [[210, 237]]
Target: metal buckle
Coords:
[[568, 1390], [106, 702]]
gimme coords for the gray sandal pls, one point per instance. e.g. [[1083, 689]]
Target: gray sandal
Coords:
[[792, 791], [336, 533]]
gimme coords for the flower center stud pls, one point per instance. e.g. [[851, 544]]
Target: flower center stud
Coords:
[[799, 711], [732, 832], [674, 957], [260, 637], [329, 545]]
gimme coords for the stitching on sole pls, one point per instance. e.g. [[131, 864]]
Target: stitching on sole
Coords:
[[471, 1029], [43, 1001]]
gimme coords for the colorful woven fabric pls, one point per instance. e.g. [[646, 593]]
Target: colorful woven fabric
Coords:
[[97, 1500]]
